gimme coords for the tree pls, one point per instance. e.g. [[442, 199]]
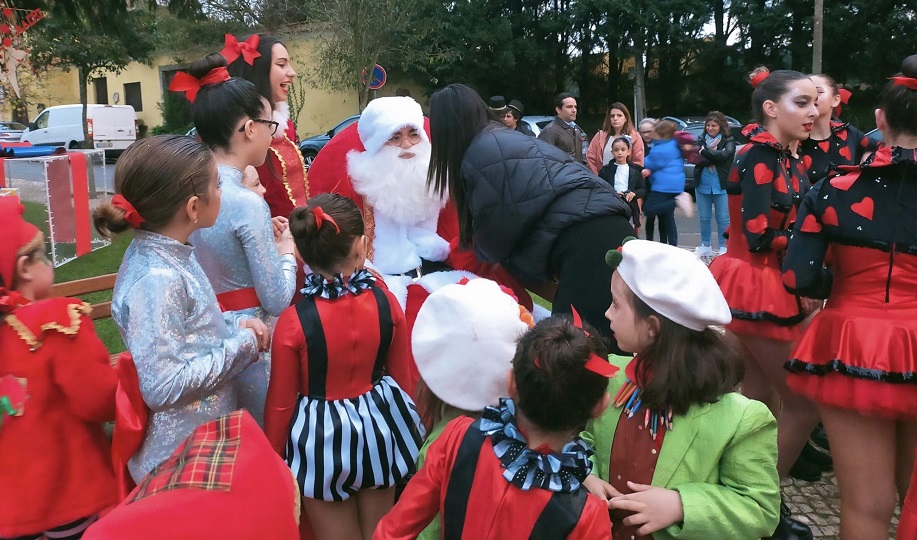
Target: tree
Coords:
[[91, 36], [355, 35]]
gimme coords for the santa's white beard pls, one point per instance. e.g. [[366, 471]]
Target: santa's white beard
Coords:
[[395, 187]]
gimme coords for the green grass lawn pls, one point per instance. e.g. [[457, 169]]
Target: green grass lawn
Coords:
[[100, 262]]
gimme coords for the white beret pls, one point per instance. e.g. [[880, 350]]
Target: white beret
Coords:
[[384, 117], [673, 282], [464, 340]]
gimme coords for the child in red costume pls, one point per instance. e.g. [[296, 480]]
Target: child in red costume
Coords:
[[56, 390], [335, 407], [517, 471]]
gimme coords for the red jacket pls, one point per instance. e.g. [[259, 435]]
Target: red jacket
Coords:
[[283, 174], [495, 509], [55, 464]]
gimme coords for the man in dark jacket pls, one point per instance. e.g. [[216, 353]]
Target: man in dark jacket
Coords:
[[563, 131]]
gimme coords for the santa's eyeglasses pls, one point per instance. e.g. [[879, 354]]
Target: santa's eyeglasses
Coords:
[[396, 140]]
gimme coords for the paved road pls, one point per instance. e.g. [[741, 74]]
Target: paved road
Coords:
[[815, 503]]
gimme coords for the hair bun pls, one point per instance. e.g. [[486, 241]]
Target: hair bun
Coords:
[[202, 66], [757, 76]]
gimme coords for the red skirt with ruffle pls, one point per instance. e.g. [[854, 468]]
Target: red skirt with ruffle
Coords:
[[760, 305], [859, 358]]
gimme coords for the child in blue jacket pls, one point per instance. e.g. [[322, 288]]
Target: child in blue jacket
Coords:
[[666, 181]]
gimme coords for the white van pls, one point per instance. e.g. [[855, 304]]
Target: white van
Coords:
[[110, 127]]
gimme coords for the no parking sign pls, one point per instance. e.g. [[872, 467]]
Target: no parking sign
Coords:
[[378, 78]]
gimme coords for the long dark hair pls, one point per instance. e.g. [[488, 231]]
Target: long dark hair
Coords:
[[457, 115], [219, 107], [900, 102], [685, 367], [260, 71]]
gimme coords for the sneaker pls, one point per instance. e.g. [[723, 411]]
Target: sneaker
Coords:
[[721, 251], [703, 251]]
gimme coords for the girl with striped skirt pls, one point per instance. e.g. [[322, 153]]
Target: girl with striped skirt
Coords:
[[334, 410]]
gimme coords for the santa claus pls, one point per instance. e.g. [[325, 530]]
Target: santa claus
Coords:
[[381, 164]]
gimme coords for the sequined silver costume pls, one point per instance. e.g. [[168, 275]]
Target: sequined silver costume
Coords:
[[187, 353], [238, 252]]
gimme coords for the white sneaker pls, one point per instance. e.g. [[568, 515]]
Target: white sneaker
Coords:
[[721, 251], [703, 251]]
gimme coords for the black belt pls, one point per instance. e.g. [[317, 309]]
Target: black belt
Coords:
[[426, 267]]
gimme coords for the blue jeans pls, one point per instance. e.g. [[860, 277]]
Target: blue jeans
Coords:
[[705, 203], [661, 205]]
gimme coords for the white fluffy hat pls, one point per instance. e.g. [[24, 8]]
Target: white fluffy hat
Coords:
[[673, 282], [383, 117], [464, 340]]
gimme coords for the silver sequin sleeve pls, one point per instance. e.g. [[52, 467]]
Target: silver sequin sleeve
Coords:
[[186, 354]]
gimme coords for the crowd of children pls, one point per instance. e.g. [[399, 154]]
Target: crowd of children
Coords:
[[242, 412]]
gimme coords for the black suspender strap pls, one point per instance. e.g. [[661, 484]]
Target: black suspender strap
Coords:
[[316, 346], [386, 329], [560, 516], [458, 491]]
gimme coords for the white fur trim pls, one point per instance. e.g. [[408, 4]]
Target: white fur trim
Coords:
[[385, 116], [281, 115], [436, 280]]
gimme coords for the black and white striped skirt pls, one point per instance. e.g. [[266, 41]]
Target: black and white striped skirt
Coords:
[[339, 447]]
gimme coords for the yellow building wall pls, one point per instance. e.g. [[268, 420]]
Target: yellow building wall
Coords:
[[150, 88], [52, 87], [323, 108]]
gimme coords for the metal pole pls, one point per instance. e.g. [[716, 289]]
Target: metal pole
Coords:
[[817, 26]]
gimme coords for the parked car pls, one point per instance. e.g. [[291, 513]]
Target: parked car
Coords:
[[11, 131], [310, 147], [537, 123], [111, 128]]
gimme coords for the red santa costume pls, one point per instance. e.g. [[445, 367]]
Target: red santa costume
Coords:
[[413, 232], [56, 390], [223, 481]]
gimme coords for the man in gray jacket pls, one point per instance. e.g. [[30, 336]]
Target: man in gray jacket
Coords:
[[563, 131]]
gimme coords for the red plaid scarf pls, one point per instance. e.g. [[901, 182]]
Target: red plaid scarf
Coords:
[[204, 461]]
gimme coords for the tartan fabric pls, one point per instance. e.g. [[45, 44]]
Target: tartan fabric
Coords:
[[204, 461]]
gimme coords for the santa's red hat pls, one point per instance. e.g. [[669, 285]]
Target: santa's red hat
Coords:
[[384, 117], [17, 233]]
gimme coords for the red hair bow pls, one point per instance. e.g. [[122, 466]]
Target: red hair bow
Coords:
[[759, 78], [248, 49], [596, 363], [191, 85], [321, 216], [844, 94], [131, 215], [907, 82]]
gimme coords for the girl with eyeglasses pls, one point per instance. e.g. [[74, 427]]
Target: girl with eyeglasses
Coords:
[[248, 260]]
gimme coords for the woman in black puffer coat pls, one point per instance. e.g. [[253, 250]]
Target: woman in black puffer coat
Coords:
[[526, 204]]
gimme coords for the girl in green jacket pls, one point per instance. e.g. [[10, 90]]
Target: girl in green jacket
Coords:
[[679, 454]]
